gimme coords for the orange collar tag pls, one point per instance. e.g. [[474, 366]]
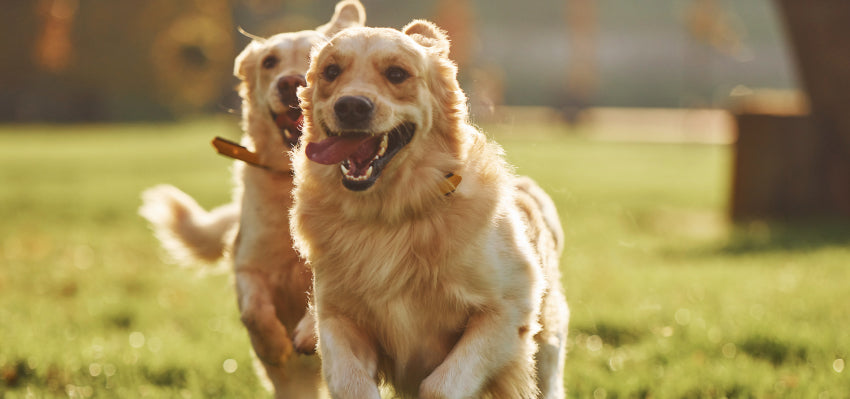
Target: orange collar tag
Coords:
[[449, 185]]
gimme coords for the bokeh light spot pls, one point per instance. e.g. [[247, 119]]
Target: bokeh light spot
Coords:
[[230, 366]]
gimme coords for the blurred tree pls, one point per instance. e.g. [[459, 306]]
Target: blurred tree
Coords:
[[714, 29], [710, 23], [53, 50], [457, 18], [113, 60], [581, 22]]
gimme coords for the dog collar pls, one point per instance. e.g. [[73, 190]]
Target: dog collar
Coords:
[[230, 149], [233, 150], [450, 183]]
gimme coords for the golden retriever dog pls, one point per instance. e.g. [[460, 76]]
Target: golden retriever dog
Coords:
[[429, 286], [272, 282]]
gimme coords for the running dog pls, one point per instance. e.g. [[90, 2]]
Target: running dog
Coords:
[[435, 267], [272, 282]]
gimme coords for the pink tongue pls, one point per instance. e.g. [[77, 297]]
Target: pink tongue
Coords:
[[338, 148]]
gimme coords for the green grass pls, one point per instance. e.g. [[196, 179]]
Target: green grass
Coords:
[[668, 300]]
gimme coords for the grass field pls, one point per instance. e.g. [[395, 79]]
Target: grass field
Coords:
[[668, 300]]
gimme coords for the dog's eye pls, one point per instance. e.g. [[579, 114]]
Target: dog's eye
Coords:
[[396, 75], [331, 72], [270, 62]]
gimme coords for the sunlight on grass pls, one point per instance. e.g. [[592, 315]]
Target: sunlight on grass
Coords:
[[667, 298]]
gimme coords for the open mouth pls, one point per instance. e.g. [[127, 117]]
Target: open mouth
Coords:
[[289, 123], [361, 157]]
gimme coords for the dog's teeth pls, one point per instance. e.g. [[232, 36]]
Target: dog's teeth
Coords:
[[346, 171], [383, 148]]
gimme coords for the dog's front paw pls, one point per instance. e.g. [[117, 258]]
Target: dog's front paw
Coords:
[[272, 351], [268, 337], [304, 337]]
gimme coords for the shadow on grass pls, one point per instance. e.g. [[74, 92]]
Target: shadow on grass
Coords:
[[760, 237], [18, 375], [613, 333], [774, 350], [169, 376]]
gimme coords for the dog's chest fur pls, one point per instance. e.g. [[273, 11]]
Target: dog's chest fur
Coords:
[[413, 344], [265, 197], [412, 293], [414, 326]]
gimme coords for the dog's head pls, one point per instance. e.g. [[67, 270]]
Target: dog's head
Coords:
[[271, 69], [383, 108]]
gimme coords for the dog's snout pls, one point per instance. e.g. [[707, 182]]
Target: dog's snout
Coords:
[[288, 86], [353, 110], [290, 83]]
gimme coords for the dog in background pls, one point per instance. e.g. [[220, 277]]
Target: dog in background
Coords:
[[272, 282], [436, 286]]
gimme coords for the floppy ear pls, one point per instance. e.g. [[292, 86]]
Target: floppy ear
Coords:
[[244, 61], [428, 35], [348, 14]]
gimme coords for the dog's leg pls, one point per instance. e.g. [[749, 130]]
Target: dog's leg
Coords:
[[349, 360], [304, 337], [486, 348], [298, 378], [268, 336], [551, 351], [552, 345]]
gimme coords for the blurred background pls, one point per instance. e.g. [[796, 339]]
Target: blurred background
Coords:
[[97, 60], [657, 70], [698, 152]]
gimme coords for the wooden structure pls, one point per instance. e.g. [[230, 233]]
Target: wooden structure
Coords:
[[794, 166]]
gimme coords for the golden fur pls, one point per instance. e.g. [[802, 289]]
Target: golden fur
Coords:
[[272, 281], [437, 296]]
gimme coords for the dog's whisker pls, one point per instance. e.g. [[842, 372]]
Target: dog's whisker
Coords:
[[250, 35]]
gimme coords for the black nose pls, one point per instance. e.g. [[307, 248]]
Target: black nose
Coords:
[[287, 86], [353, 110]]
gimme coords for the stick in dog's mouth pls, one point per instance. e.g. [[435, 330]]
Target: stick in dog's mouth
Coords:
[[361, 156]]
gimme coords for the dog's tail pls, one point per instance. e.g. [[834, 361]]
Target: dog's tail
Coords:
[[541, 213], [187, 232]]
